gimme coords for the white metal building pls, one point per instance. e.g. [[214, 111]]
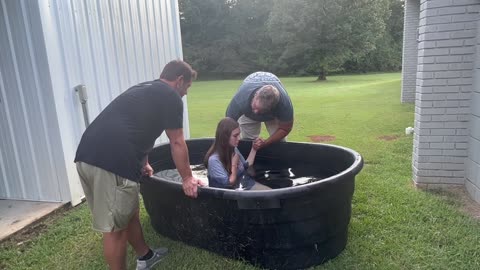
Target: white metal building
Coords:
[[47, 47], [441, 74]]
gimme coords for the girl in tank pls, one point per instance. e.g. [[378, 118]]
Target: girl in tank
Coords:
[[226, 166]]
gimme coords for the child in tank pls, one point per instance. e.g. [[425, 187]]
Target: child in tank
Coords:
[[226, 166]]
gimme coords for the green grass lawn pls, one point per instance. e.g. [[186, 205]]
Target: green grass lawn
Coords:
[[393, 225]]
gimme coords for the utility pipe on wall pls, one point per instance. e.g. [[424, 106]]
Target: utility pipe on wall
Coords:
[[82, 96]]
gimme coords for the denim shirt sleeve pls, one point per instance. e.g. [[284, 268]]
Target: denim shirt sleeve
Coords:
[[242, 160], [217, 175]]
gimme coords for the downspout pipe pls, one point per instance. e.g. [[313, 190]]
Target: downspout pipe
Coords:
[[83, 97]]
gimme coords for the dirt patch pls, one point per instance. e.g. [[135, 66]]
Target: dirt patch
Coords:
[[388, 137], [469, 206], [31, 231], [460, 197], [321, 138]]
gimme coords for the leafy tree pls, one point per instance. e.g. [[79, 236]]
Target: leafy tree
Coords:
[[233, 37], [387, 55], [320, 35], [226, 36], [203, 31]]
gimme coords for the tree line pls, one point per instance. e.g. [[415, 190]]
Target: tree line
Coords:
[[223, 38]]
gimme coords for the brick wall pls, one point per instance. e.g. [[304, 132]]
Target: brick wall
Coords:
[[472, 182], [410, 50], [446, 53]]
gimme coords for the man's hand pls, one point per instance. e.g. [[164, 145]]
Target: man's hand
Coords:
[[179, 151], [258, 143], [190, 185], [147, 170]]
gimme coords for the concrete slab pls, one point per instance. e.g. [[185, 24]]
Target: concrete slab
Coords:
[[16, 215]]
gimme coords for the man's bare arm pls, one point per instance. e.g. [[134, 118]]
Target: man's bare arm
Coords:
[[283, 130], [179, 152]]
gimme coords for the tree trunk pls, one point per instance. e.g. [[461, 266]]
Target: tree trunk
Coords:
[[322, 75]]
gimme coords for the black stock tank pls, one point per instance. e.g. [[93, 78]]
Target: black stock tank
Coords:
[[290, 226]]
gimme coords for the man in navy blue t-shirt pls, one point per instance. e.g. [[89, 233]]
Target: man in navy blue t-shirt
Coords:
[[262, 98], [113, 155]]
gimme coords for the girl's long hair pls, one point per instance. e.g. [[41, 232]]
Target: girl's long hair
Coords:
[[221, 143]]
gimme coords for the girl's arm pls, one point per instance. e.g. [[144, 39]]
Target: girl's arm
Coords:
[[253, 153], [233, 176]]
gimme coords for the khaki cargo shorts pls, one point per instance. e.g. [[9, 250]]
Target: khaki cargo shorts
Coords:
[[250, 129], [112, 199]]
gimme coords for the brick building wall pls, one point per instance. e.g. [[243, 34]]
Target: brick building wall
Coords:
[[410, 50], [472, 182], [446, 52]]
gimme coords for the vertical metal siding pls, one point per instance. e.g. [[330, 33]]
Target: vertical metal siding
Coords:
[[179, 51], [27, 163], [119, 44], [116, 44], [117, 40], [47, 48]]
